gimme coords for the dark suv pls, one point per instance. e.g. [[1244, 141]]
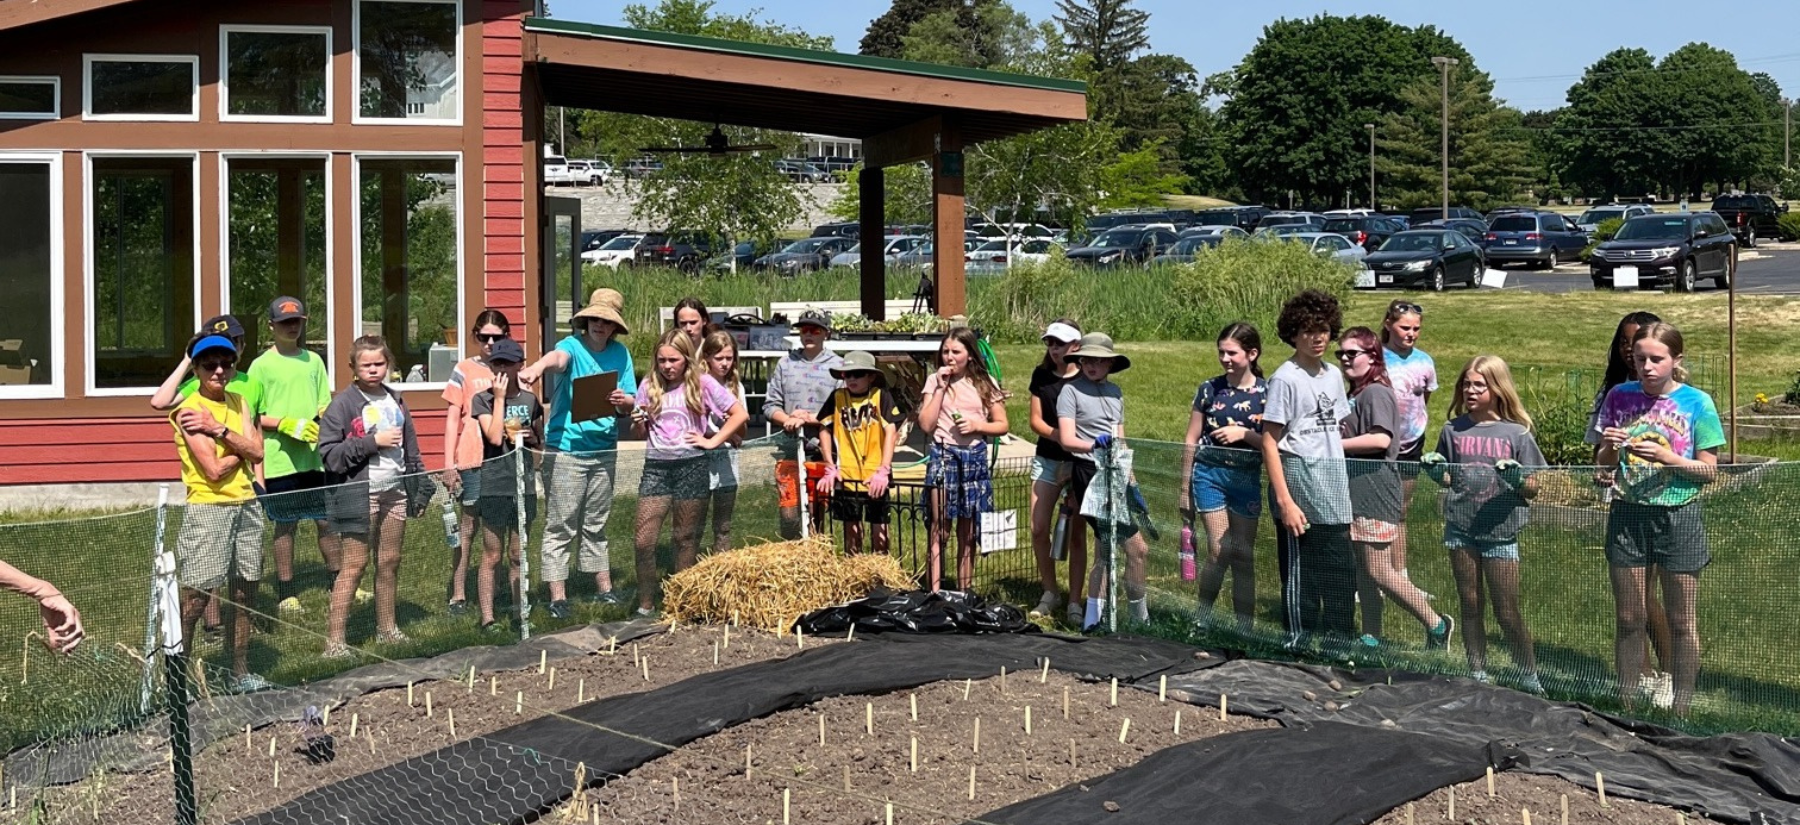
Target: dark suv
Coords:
[[1124, 245], [682, 250], [1672, 248], [1366, 231], [1541, 239], [1750, 216], [1435, 213]]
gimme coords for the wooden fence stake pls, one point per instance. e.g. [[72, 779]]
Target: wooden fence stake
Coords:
[[1065, 701], [1124, 729], [1450, 814], [1490, 781], [518, 702], [552, 683], [409, 694], [1027, 720], [1044, 675], [1600, 785], [645, 661], [821, 730], [913, 698], [428, 704], [1162, 688], [353, 720], [746, 760], [1115, 691], [450, 714], [277, 774], [869, 718], [914, 760], [581, 690], [784, 807], [1177, 723], [728, 635], [1565, 809], [971, 781], [1002, 678], [978, 734], [890, 813], [250, 748], [271, 746], [543, 661], [1224, 706], [493, 686]]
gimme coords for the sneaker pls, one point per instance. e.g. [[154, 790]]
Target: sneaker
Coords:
[[363, 596], [1046, 605], [1076, 613], [1481, 676], [558, 609], [607, 597], [1369, 642], [493, 628], [1660, 688], [1140, 610], [291, 606], [458, 607], [336, 650], [649, 613], [1530, 684], [1438, 638], [251, 683], [392, 637]]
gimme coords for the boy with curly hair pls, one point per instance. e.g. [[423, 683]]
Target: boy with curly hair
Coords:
[[1308, 484]]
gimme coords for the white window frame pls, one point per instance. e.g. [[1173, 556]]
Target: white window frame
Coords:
[[87, 266], [55, 82], [58, 346], [462, 267], [313, 330], [462, 86], [225, 33], [87, 85]]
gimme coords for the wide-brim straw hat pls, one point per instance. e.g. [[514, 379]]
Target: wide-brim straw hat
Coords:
[[858, 361], [605, 304], [1100, 345]]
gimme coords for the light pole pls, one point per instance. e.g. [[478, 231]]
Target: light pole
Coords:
[[1371, 128], [1444, 64], [1787, 133]]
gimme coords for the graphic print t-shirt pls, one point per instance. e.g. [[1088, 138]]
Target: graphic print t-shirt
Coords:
[[1222, 405], [1685, 421], [1413, 377], [857, 434], [521, 413], [666, 436], [1478, 502], [382, 413], [1309, 407]]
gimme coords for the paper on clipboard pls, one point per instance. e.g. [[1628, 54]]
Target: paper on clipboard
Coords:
[[591, 396]]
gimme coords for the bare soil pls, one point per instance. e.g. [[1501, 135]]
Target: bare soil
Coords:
[[865, 763]]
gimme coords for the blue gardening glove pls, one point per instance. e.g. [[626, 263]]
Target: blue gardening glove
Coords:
[[1435, 465], [1102, 442], [299, 429], [1511, 472]]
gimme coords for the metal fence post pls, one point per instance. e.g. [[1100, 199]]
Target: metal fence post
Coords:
[[148, 683], [167, 601], [522, 597], [805, 499]]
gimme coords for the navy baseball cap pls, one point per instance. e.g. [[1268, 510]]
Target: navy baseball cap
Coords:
[[210, 343], [226, 325], [508, 351], [286, 308]]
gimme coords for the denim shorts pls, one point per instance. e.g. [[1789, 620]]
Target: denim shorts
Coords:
[[1487, 549], [1049, 470], [1235, 489], [471, 487], [682, 479]]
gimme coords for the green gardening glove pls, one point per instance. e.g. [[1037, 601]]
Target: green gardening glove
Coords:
[[299, 429], [1511, 472], [1435, 465]]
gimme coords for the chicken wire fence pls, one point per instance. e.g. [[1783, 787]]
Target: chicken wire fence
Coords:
[[102, 734]]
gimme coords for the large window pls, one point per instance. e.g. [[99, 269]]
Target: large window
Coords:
[[141, 87], [142, 254], [276, 73], [409, 262], [275, 245], [30, 98], [406, 60], [30, 276]]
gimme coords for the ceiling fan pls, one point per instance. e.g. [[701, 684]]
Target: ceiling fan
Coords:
[[716, 144]]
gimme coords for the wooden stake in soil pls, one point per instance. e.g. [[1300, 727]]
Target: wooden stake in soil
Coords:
[[1071, 754], [846, 779], [821, 730], [890, 813], [471, 679], [799, 638], [728, 633], [1409, 813], [450, 714], [715, 652], [914, 761], [1027, 720], [581, 690], [869, 718], [1565, 809], [978, 734], [1490, 779], [277, 782], [1044, 675], [543, 660], [675, 787], [552, 683], [971, 781], [326, 721], [353, 720], [1124, 729], [409, 694], [645, 661], [493, 686], [1525, 816], [518, 702], [250, 748], [1002, 678], [913, 698], [746, 760], [851, 636], [1065, 701], [1115, 691], [1600, 785], [1450, 813], [966, 684], [1224, 706], [271, 746], [1177, 723], [1162, 688], [784, 808]]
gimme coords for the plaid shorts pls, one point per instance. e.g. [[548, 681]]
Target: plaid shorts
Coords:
[[962, 473]]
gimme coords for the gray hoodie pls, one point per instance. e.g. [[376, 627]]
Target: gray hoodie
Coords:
[[347, 449]]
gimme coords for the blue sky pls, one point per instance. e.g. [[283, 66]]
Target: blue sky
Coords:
[[1532, 59]]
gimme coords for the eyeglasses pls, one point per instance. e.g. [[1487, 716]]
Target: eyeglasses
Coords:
[[1350, 354], [488, 338], [1405, 308]]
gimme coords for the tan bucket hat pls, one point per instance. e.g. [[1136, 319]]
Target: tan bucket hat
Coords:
[[1100, 345], [858, 361], [605, 304]]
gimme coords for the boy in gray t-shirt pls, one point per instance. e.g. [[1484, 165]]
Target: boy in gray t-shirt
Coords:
[[1308, 487]]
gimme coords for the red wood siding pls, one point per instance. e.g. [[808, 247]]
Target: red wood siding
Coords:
[[503, 164]]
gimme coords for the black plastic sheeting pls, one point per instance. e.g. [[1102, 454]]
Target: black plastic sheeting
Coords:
[[519, 773], [917, 611], [1738, 777], [146, 747], [1330, 773]]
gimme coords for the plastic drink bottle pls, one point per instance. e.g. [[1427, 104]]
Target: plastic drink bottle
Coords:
[[452, 535], [1060, 535], [1187, 553]]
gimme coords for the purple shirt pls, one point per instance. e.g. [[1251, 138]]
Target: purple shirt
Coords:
[[666, 434]]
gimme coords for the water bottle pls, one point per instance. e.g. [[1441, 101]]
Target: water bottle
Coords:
[[1187, 553], [452, 533], [1059, 536]]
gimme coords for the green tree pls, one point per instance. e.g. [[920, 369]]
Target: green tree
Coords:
[[1106, 32], [1489, 152], [907, 197], [984, 35], [1137, 179], [1601, 151], [886, 34], [1301, 96]]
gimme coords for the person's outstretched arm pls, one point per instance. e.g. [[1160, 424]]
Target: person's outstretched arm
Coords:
[[62, 622]]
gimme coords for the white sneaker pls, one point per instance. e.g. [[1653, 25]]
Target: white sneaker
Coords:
[[291, 606], [1661, 688]]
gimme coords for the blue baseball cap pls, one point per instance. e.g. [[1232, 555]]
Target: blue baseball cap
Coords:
[[506, 351], [212, 342]]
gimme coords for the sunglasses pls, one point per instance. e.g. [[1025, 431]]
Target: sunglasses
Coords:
[[1350, 354], [213, 366], [488, 338], [1405, 308]]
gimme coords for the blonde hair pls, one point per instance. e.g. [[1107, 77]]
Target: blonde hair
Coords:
[[716, 342], [370, 343], [1670, 337], [1499, 379], [678, 341]]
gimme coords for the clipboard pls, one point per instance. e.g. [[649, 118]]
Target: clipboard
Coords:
[[591, 396]]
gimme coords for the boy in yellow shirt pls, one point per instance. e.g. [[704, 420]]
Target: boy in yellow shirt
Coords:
[[860, 420]]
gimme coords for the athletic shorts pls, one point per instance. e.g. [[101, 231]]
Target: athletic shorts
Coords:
[[502, 512], [682, 479], [1408, 458], [219, 542], [1049, 470], [849, 506], [294, 497], [1237, 490], [1486, 549], [1372, 531], [1674, 538]]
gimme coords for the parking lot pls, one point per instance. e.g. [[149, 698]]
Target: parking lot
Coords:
[[1769, 269]]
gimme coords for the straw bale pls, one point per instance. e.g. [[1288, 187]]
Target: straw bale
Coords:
[[770, 585]]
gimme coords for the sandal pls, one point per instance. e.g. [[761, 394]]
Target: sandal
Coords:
[[392, 637], [336, 650]]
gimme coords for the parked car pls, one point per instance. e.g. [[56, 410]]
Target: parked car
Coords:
[[619, 251], [1667, 248], [1590, 220], [1430, 258], [1542, 239], [994, 255], [800, 171], [642, 167], [1400, 219], [682, 250], [1242, 217], [844, 229], [1017, 230], [892, 247], [1750, 216], [1433, 213], [592, 239], [556, 170], [1474, 230], [1124, 245], [1311, 219], [1366, 231], [1330, 245], [1508, 210], [805, 255], [742, 255], [1187, 247], [1220, 231], [1097, 224]]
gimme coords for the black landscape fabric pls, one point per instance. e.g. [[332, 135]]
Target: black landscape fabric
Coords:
[[1328, 774]]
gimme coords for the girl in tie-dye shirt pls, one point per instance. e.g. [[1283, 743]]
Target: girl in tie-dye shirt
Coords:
[[1414, 376]]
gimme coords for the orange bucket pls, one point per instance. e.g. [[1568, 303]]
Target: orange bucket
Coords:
[[786, 486]]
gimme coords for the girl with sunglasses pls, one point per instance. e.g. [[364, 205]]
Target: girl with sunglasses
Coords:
[[1414, 378], [463, 444]]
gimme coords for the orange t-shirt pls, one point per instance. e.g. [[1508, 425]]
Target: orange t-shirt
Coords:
[[470, 378]]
